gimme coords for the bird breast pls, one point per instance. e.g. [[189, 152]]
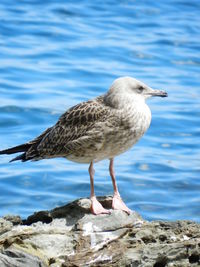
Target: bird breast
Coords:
[[129, 126]]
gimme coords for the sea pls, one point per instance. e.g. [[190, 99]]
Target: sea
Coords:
[[55, 54]]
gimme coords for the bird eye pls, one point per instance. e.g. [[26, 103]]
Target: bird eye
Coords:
[[140, 89]]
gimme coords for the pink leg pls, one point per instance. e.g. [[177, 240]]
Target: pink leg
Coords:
[[117, 202], [96, 207]]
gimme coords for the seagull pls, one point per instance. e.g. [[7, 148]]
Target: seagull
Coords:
[[94, 130]]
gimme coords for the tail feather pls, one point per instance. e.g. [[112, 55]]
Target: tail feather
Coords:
[[16, 149], [29, 149], [21, 157]]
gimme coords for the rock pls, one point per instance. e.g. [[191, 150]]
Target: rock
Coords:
[[5, 225], [71, 236], [15, 220]]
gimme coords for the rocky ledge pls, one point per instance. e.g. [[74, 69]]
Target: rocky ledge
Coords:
[[71, 236]]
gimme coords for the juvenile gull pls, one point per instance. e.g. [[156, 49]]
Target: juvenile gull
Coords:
[[94, 130]]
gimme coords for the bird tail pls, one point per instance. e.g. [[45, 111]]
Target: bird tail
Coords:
[[30, 147], [16, 149]]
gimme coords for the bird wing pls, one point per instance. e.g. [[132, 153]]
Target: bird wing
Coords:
[[77, 129]]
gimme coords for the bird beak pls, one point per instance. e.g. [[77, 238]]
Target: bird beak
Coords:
[[158, 93]]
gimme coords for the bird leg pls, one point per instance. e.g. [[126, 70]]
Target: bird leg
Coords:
[[117, 202], [96, 207]]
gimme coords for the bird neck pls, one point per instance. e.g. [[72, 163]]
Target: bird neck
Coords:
[[124, 101]]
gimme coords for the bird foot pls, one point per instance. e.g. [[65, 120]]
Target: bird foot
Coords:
[[118, 204], [97, 208]]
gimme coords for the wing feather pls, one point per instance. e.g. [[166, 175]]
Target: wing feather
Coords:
[[76, 130]]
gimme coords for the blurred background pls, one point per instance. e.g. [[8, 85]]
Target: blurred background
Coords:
[[54, 54]]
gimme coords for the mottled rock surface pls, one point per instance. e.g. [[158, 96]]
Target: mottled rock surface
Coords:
[[71, 236]]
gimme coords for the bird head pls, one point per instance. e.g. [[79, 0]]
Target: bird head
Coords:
[[126, 89]]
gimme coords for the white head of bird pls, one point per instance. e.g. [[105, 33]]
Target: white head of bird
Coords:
[[127, 90]]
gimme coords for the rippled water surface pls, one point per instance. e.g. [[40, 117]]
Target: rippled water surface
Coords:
[[54, 54]]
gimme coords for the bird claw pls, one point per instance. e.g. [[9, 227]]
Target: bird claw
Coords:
[[118, 204], [97, 208]]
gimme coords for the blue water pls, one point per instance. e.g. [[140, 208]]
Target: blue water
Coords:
[[54, 54]]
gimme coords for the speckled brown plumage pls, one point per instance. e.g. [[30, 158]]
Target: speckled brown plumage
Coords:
[[82, 131], [75, 132]]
